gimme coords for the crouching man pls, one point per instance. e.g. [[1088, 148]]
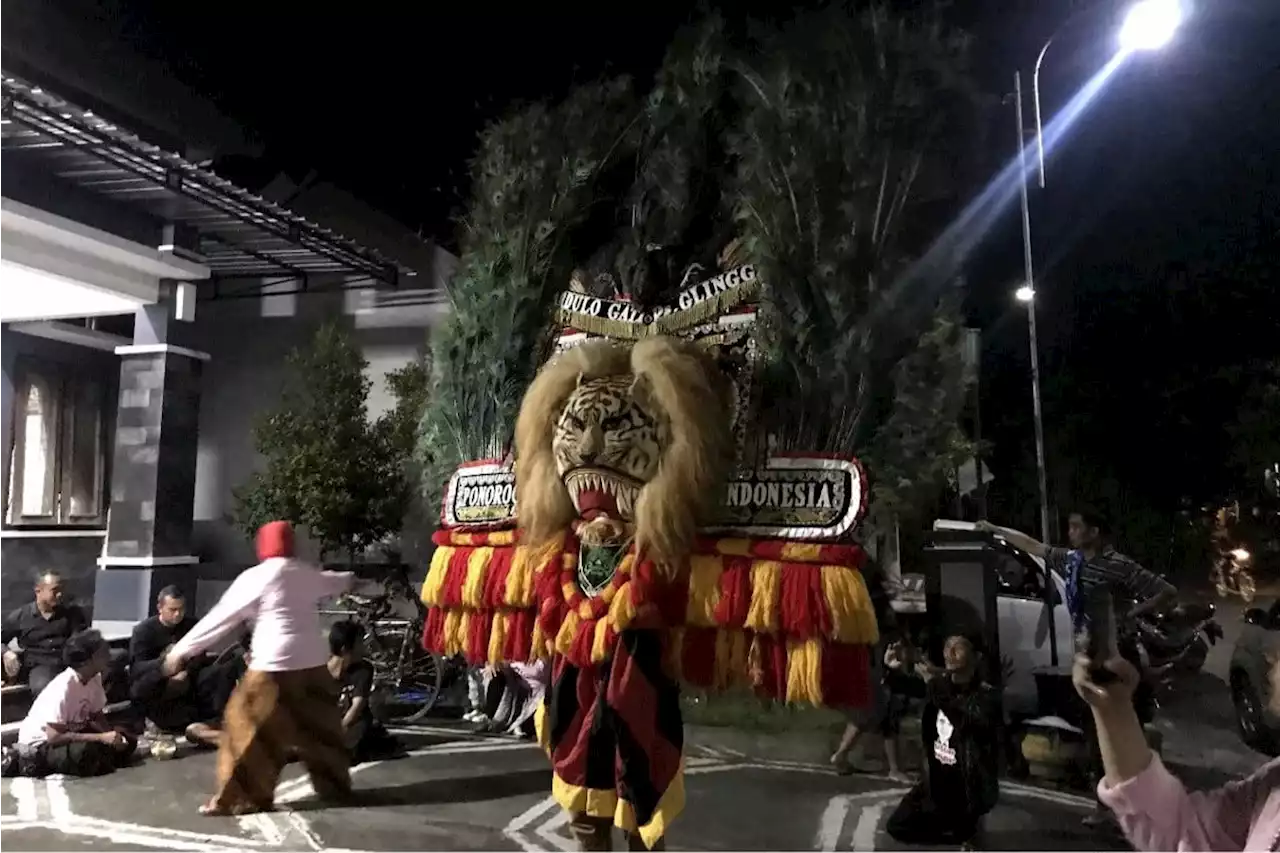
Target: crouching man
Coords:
[[193, 699], [65, 731]]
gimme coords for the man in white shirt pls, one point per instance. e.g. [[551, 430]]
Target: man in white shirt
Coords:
[[65, 731]]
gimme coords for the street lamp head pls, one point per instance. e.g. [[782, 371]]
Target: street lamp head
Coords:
[[1024, 293], [1150, 24]]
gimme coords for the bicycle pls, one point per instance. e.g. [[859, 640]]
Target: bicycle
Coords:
[[407, 679]]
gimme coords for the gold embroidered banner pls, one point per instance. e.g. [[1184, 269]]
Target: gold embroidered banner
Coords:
[[695, 305]]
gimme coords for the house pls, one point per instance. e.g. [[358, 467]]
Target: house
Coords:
[[146, 306]]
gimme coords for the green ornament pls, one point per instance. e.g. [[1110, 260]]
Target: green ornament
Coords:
[[596, 567]]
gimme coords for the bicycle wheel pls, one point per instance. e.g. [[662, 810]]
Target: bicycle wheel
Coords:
[[419, 685], [408, 677]]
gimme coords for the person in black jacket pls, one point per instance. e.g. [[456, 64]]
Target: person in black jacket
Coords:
[[959, 729], [192, 700], [42, 629]]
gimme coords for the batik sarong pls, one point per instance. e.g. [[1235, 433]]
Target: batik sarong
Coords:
[[271, 717]]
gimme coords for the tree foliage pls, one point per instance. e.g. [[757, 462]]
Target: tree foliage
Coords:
[[826, 145], [327, 468]]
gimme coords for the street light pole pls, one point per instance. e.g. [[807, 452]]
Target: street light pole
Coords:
[[1029, 275]]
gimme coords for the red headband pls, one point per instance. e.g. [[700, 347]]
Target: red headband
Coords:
[[275, 539]]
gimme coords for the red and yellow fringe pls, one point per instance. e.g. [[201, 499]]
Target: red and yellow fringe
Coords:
[[794, 620]]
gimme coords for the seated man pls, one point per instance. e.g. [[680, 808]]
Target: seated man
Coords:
[[41, 629], [191, 701], [65, 731], [365, 737]]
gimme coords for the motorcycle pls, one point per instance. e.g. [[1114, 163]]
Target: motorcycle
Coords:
[[1177, 642], [1231, 575]]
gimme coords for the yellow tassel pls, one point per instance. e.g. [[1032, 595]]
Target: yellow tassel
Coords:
[[704, 590], [766, 581], [452, 622], [622, 609], [675, 653], [599, 643], [568, 630], [497, 636], [538, 649], [731, 658], [801, 552], [516, 592], [473, 584], [501, 538], [853, 620], [434, 583], [734, 547], [464, 631], [804, 671]]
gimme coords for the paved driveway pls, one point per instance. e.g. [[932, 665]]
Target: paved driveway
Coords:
[[460, 792]]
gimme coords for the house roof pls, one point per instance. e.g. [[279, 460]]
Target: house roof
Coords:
[[241, 235]]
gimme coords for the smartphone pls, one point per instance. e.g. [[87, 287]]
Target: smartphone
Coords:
[[1103, 644]]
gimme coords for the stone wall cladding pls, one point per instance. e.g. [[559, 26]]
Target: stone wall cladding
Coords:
[[75, 558], [153, 468]]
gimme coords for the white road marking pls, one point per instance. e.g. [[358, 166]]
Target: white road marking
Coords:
[[867, 827], [59, 802], [24, 793], [551, 832], [303, 828], [831, 822], [530, 814]]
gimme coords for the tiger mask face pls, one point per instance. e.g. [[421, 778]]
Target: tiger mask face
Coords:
[[607, 445], [624, 436]]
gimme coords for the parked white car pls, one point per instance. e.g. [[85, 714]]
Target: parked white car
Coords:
[[1023, 619]]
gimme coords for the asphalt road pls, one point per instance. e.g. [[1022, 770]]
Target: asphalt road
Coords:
[[460, 792]]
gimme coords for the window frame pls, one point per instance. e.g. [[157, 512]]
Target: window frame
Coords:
[[68, 382]]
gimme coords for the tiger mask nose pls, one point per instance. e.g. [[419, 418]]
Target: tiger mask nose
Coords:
[[592, 444]]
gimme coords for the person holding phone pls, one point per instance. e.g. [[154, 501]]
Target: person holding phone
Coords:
[[959, 726], [1089, 565], [1154, 809]]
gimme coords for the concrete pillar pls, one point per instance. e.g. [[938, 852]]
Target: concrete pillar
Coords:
[[9, 355], [153, 473]]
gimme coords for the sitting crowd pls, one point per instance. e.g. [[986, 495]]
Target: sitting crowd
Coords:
[[74, 676]]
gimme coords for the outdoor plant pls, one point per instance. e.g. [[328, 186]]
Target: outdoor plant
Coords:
[[826, 146], [326, 467]]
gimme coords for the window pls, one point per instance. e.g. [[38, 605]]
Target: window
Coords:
[[57, 463]]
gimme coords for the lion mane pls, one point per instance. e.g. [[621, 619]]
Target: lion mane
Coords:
[[673, 380]]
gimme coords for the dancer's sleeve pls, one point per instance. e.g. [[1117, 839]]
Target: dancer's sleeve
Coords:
[[237, 605]]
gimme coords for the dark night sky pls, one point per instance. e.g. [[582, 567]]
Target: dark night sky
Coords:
[[1156, 239]]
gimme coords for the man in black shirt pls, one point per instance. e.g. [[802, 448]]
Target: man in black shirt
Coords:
[[191, 701], [365, 737], [42, 629]]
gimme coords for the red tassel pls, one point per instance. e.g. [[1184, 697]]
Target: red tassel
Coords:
[[698, 657], [433, 631], [580, 649], [819, 611], [550, 615], [495, 579], [795, 616], [478, 628], [735, 593], [517, 645], [846, 675], [671, 597], [455, 577], [768, 549]]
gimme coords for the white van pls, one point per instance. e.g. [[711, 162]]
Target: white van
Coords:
[[1023, 622]]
